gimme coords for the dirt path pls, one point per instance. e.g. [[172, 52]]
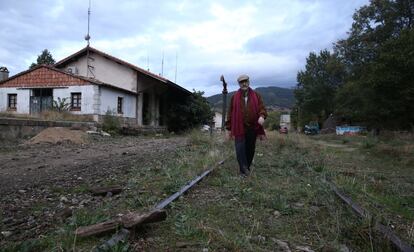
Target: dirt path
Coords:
[[36, 179], [47, 164]]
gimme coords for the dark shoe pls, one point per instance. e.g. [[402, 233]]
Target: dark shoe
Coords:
[[244, 171]]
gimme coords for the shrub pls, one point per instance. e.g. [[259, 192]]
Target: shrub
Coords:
[[369, 143], [61, 105], [272, 121], [193, 112], [111, 122]]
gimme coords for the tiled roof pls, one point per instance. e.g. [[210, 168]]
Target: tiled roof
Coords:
[[91, 49], [110, 57], [45, 76]]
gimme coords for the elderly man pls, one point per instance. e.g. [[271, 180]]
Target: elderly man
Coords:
[[245, 120]]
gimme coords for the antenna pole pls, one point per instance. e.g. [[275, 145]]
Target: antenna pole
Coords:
[[89, 18], [87, 38]]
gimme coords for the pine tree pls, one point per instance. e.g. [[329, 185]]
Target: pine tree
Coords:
[[44, 58]]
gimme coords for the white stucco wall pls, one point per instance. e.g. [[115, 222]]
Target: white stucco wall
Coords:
[[87, 103], [95, 99], [23, 100], [107, 71], [109, 101]]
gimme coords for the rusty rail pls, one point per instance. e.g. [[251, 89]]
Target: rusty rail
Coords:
[[123, 233], [384, 230], [184, 189]]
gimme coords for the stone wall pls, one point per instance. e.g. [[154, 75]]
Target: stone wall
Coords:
[[11, 128]]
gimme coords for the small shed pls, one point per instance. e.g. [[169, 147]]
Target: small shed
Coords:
[[217, 120]]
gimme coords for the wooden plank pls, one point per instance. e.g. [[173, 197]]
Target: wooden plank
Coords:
[[135, 219], [98, 228], [129, 220], [123, 233]]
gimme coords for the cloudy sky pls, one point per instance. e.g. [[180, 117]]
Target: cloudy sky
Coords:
[[266, 39]]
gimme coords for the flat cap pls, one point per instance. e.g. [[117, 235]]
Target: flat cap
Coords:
[[243, 77]]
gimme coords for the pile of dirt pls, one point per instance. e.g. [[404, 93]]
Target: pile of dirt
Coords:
[[56, 135]]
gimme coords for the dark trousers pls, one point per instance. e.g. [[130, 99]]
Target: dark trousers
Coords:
[[245, 150]]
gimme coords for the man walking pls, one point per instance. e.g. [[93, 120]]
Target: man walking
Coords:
[[245, 120]]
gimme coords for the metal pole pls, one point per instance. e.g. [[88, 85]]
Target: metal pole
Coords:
[[223, 118]]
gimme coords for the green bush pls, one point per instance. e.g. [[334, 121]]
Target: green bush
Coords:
[[111, 123], [193, 112], [369, 143], [61, 105], [272, 121]]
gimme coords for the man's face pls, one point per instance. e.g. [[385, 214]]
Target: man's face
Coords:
[[244, 85]]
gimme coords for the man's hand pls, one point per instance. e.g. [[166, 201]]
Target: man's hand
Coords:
[[227, 135], [261, 120]]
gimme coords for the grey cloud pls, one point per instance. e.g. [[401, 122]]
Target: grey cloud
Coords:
[[27, 27]]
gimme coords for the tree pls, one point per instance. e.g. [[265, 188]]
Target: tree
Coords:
[[273, 120], [194, 111], [391, 81], [44, 58], [378, 62], [373, 26], [317, 86]]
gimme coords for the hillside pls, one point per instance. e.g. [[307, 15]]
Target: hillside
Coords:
[[272, 97]]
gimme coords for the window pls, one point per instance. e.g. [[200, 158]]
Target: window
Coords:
[[120, 103], [12, 101], [76, 101]]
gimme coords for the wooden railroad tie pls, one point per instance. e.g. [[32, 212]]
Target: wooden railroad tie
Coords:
[[130, 220]]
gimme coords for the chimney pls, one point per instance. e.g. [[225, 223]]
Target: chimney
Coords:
[[4, 73]]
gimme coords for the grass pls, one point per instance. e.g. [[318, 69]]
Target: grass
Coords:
[[378, 175], [51, 115], [281, 200], [284, 199]]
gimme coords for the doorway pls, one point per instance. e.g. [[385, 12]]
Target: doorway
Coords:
[[41, 100]]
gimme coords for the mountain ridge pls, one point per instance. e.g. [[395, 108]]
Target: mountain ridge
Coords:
[[273, 97]]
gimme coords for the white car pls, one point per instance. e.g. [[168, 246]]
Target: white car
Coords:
[[205, 128]]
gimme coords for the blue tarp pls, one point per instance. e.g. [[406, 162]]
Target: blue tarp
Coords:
[[349, 130]]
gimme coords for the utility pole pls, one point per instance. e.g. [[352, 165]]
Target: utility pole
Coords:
[[223, 118], [88, 38]]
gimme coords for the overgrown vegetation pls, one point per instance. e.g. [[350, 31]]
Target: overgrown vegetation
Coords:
[[284, 199], [61, 105], [193, 112], [111, 123], [368, 76], [51, 115], [272, 121]]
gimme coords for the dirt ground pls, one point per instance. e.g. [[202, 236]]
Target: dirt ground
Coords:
[[40, 182]]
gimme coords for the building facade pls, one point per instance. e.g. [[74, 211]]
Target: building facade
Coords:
[[93, 83]]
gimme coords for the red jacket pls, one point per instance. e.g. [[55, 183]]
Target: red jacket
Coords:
[[248, 116]]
